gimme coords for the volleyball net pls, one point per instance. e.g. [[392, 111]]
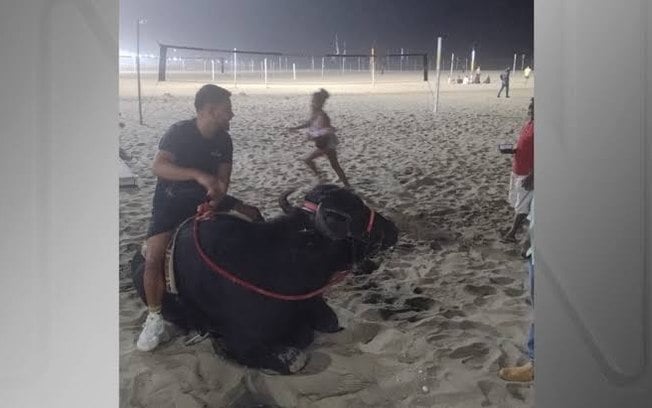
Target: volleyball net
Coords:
[[189, 63]]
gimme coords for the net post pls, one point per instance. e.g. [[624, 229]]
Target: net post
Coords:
[[450, 76], [322, 67], [213, 70], [265, 70], [425, 67], [472, 60], [162, 62], [438, 73], [514, 66], [294, 71], [140, 102], [373, 67], [235, 67]]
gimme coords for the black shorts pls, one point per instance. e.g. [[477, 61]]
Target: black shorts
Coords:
[[168, 213]]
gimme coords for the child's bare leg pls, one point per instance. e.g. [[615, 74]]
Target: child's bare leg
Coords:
[[332, 157], [310, 160]]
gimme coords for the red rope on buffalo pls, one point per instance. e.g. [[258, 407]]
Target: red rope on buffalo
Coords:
[[204, 212]]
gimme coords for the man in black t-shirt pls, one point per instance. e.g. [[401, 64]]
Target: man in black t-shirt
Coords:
[[193, 165], [176, 200]]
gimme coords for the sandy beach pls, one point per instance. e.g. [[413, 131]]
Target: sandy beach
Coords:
[[447, 307]]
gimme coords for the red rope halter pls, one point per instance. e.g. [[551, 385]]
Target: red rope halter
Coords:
[[204, 213]]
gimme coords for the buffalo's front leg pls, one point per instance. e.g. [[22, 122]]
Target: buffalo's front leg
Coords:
[[302, 336], [320, 316], [281, 359]]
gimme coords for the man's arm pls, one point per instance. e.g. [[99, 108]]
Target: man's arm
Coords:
[[165, 168], [217, 184], [224, 175]]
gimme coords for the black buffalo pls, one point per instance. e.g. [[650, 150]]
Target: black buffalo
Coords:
[[294, 254]]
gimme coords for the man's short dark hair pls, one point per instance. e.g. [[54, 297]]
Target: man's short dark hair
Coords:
[[210, 93]]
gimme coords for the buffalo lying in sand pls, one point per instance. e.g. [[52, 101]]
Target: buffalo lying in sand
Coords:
[[291, 256]]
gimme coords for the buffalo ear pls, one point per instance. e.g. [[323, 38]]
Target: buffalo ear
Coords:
[[331, 223]]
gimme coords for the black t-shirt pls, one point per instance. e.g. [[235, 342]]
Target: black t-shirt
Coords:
[[190, 149]]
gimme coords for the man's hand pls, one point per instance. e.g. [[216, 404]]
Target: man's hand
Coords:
[[528, 182], [215, 188]]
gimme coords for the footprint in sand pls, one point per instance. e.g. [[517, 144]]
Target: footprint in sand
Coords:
[[367, 286], [373, 299], [485, 389], [483, 290], [501, 280], [434, 338], [512, 292], [480, 301], [443, 211], [451, 313], [515, 391], [473, 350], [419, 303], [415, 305], [387, 312]]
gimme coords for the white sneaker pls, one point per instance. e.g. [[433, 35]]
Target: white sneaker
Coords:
[[153, 330]]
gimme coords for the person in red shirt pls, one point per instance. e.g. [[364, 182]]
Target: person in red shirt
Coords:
[[522, 175]]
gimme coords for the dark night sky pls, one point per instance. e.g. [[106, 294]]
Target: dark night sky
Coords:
[[500, 27]]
